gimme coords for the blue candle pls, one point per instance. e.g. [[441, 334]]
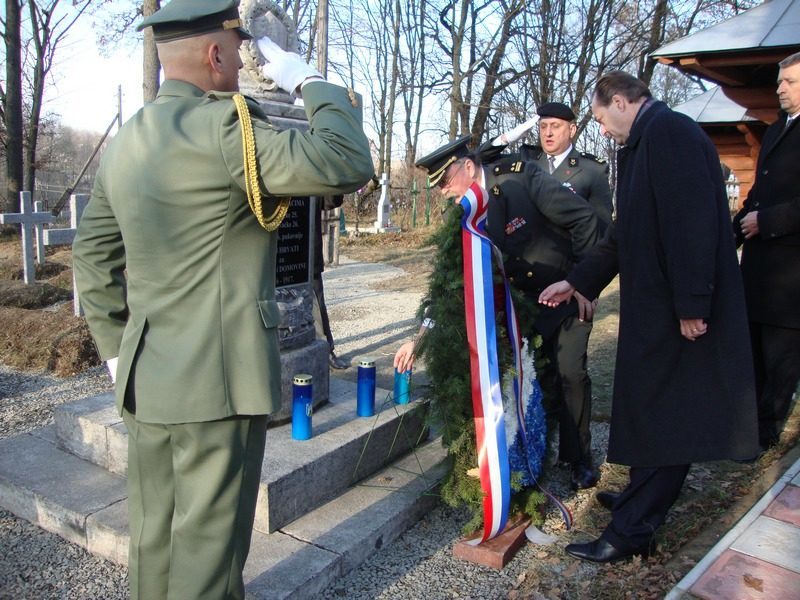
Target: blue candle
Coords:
[[401, 386], [365, 404], [302, 389]]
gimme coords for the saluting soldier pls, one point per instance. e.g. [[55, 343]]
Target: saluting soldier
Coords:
[[542, 228], [582, 172], [175, 263], [565, 379]]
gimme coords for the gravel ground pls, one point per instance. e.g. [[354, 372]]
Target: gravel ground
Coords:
[[35, 564]]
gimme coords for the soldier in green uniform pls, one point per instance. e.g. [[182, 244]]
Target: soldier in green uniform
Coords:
[[542, 228], [582, 172], [175, 264]]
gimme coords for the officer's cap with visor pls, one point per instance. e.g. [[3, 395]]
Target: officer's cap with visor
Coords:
[[436, 163], [187, 18]]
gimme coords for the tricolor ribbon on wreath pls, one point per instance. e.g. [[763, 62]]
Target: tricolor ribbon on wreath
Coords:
[[485, 376]]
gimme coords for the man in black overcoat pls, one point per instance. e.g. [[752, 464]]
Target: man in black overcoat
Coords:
[[768, 227], [683, 386]]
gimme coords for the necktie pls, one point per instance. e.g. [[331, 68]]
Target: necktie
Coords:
[[552, 161], [788, 124]]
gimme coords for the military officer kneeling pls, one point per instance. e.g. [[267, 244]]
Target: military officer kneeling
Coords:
[[542, 228]]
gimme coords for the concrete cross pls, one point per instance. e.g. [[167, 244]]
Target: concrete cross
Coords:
[[65, 236], [28, 219], [39, 227]]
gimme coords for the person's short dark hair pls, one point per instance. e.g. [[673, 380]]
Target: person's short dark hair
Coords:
[[621, 83], [790, 60]]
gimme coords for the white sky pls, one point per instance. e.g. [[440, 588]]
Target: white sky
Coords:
[[83, 89]]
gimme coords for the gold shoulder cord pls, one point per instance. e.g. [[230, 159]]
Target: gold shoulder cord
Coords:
[[253, 190]]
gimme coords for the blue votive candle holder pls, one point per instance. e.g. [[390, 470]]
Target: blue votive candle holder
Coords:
[[302, 394], [402, 381], [365, 400]]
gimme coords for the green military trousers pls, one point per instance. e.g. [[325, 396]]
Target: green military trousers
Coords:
[[192, 491]]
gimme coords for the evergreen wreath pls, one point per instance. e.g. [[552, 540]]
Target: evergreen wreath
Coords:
[[446, 353]]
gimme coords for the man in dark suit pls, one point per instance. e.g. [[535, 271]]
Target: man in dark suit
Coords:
[[683, 387], [768, 227], [542, 228]]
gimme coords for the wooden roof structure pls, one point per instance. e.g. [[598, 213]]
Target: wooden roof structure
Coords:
[[741, 55]]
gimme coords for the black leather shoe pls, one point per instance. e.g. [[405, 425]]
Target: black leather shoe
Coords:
[[583, 476], [601, 551], [336, 363], [606, 499]]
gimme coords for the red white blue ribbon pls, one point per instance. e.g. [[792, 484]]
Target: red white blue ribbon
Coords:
[[485, 377], [487, 400]]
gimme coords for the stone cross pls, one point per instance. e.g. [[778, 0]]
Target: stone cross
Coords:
[[384, 205], [28, 220], [39, 227], [65, 236]]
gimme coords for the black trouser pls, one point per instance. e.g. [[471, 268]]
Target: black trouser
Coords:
[[566, 381], [642, 506], [322, 324], [776, 358]]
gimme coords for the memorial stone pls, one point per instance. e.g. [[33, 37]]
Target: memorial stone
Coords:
[[65, 235], [300, 350]]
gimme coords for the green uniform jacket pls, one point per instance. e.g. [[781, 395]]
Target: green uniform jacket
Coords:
[[194, 323], [584, 174]]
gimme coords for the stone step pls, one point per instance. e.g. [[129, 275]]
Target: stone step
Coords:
[[88, 506], [297, 476]]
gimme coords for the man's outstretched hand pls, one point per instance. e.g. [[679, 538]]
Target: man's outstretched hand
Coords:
[[555, 294]]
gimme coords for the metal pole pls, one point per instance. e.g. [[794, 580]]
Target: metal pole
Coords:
[[427, 202], [68, 192], [322, 37], [414, 193]]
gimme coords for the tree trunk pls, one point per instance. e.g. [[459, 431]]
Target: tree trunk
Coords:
[[657, 28], [41, 40], [12, 109], [150, 63]]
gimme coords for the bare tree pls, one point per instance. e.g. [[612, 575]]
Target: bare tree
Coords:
[[151, 66], [49, 27], [11, 98]]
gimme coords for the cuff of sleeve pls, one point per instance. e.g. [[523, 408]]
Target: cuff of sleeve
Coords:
[[695, 306]]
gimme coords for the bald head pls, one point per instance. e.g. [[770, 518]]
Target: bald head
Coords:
[[210, 61]]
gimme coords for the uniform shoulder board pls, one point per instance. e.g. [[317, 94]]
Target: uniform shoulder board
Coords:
[[509, 165], [590, 156], [217, 95]]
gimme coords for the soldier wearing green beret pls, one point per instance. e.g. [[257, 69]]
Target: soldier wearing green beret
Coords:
[[175, 264]]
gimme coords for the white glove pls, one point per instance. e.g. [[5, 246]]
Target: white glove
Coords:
[[514, 134], [286, 69], [111, 363]]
